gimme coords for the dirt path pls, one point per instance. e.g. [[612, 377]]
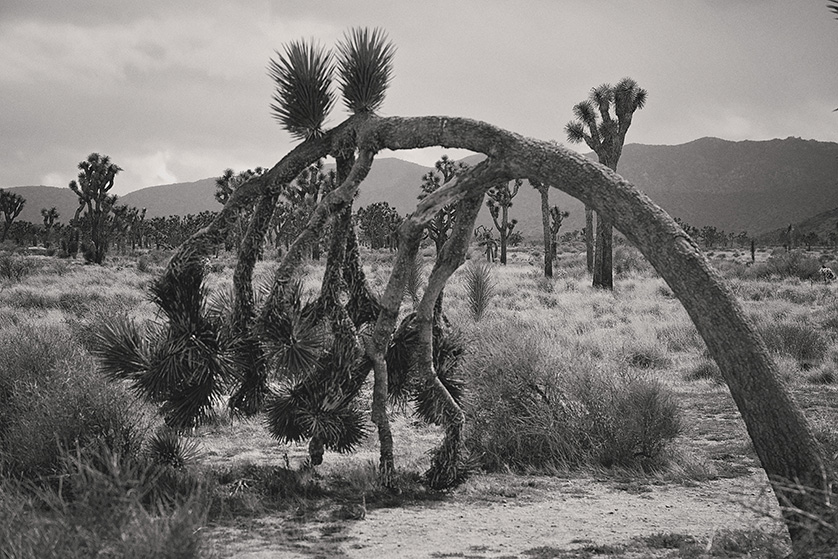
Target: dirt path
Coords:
[[491, 518], [573, 514]]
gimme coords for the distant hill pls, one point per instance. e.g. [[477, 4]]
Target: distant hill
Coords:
[[174, 199], [824, 225], [39, 197], [736, 186], [754, 186]]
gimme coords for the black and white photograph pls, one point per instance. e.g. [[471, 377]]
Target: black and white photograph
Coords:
[[489, 279]]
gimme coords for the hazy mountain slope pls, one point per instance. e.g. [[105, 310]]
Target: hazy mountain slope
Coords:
[[40, 197], [752, 186], [174, 199], [824, 224]]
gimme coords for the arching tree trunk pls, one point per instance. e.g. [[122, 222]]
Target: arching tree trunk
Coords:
[[781, 435], [250, 396], [589, 238]]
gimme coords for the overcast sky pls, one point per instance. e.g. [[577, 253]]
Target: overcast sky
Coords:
[[178, 91]]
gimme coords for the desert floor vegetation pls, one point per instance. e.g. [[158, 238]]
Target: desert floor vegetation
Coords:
[[596, 423]]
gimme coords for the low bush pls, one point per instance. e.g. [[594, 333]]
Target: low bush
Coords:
[[647, 356], [798, 340], [706, 370], [51, 397], [529, 410], [792, 264], [15, 268], [628, 260], [99, 512], [680, 337]]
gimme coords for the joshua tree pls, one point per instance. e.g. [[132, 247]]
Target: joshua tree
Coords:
[[499, 202], [605, 134], [556, 217], [95, 181], [49, 215], [307, 191], [486, 239], [225, 185], [378, 222], [440, 226], [11, 204], [544, 192], [783, 440]]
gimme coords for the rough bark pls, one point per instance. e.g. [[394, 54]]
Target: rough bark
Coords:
[[603, 270], [589, 238], [549, 248], [410, 237], [248, 254]]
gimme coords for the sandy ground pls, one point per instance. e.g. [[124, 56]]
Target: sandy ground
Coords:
[[575, 513], [563, 514]]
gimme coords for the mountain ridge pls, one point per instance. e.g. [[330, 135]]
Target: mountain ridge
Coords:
[[750, 185]]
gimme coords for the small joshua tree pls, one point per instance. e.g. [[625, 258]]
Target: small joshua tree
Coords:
[[557, 216], [96, 179], [605, 134], [11, 204], [49, 215], [499, 202], [544, 192], [445, 171]]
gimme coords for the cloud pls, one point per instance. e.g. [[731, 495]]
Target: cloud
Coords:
[[181, 87], [150, 169], [56, 179]]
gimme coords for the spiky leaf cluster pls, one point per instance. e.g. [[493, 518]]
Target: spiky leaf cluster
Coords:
[[303, 95], [168, 448], [404, 387], [321, 374], [302, 74], [602, 120], [292, 334], [185, 364], [365, 68], [316, 408]]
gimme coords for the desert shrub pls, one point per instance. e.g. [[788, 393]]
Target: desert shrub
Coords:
[[747, 543], [647, 356], [15, 268], [795, 264], [798, 340], [144, 264], [53, 398], [480, 288], [98, 513], [528, 409], [680, 337], [705, 370], [628, 260]]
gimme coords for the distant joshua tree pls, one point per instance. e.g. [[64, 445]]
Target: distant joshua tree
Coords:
[[544, 192], [96, 179], [49, 215], [605, 134], [557, 216], [445, 170], [499, 202], [11, 204]]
